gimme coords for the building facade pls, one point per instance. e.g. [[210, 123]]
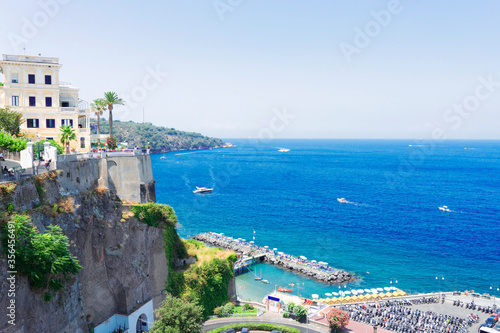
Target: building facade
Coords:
[[31, 86]]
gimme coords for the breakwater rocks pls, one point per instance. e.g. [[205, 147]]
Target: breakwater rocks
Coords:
[[300, 265]]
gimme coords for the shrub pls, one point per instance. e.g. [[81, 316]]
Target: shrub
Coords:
[[337, 319], [286, 315], [218, 311], [111, 142], [248, 306], [227, 309], [257, 327]]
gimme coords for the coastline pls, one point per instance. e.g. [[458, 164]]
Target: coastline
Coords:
[[163, 151]]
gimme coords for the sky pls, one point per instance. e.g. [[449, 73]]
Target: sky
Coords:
[[407, 69]]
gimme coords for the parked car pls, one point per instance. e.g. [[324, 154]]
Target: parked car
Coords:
[[230, 330], [275, 331], [245, 330]]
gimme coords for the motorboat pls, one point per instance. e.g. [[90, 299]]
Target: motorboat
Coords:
[[284, 150], [285, 290], [444, 209], [264, 281], [202, 190], [342, 200], [258, 279]]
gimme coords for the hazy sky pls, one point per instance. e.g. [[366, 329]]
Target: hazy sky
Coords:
[[282, 68]]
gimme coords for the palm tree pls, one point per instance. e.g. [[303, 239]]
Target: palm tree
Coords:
[[67, 134], [111, 98], [98, 108]]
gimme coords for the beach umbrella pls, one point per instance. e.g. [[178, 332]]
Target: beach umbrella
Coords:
[[281, 253], [328, 294], [243, 240], [302, 257], [315, 296], [387, 288], [380, 289], [360, 291], [393, 288], [336, 294], [367, 291], [266, 247], [252, 242], [374, 290], [347, 292], [313, 261], [275, 249], [354, 292]]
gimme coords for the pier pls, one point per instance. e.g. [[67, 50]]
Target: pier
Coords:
[[252, 253]]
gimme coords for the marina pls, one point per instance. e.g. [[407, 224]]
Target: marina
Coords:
[[252, 253]]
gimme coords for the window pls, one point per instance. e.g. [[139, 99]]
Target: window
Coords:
[[15, 100], [31, 78], [64, 104], [50, 123], [32, 101], [67, 122], [82, 142], [15, 78], [48, 79], [32, 123], [48, 139], [48, 101]]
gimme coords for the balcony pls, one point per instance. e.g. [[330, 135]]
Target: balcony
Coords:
[[68, 109]]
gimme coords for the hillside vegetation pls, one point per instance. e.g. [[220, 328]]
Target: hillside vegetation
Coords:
[[161, 139]]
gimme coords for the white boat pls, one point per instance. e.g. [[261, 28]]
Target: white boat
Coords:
[[202, 190], [162, 158], [284, 150], [264, 281], [444, 209], [342, 200]]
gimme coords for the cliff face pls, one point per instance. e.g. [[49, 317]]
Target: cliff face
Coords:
[[123, 260]]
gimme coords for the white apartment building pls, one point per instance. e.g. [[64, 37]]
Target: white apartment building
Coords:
[[31, 86]]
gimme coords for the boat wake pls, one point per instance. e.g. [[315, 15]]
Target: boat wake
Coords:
[[344, 201]]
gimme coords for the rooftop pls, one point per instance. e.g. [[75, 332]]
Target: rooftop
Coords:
[[36, 59]]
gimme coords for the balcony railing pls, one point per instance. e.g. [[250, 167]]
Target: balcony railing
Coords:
[[68, 109], [47, 60]]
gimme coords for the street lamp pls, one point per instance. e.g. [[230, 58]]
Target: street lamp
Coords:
[[439, 277], [494, 287]]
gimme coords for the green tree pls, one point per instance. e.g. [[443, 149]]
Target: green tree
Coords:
[[98, 107], [111, 98], [178, 316], [67, 134], [44, 258], [10, 121], [11, 143]]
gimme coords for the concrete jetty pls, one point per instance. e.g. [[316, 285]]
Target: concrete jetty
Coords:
[[317, 271]]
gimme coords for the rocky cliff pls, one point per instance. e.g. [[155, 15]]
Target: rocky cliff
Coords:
[[123, 260]]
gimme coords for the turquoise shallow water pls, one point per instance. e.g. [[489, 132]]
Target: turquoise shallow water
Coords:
[[391, 229]]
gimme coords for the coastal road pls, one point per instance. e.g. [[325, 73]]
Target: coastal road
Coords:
[[267, 318]]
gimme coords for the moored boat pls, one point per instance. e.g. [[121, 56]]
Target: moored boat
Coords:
[[342, 200], [264, 281], [444, 209], [285, 290]]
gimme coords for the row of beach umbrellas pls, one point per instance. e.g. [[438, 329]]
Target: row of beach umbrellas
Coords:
[[361, 291], [360, 298]]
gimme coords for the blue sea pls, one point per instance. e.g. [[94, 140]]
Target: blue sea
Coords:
[[390, 230]]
